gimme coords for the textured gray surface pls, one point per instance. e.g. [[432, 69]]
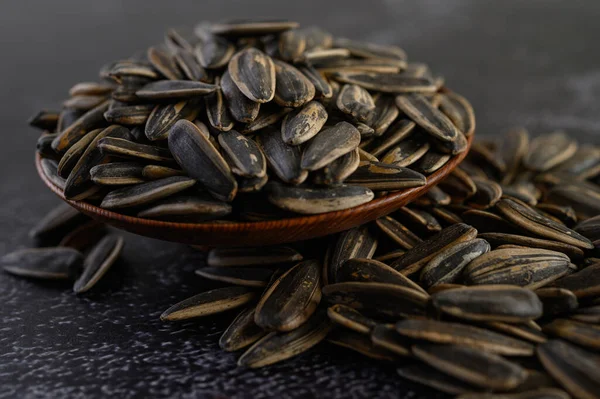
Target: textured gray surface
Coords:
[[520, 62]]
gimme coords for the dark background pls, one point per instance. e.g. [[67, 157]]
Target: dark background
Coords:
[[532, 63]]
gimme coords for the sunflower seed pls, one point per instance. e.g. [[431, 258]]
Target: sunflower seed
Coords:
[[473, 366], [291, 299], [254, 74], [268, 115], [339, 170], [174, 89], [420, 254], [246, 276], [242, 108], [487, 194], [303, 124], [318, 200], [430, 162], [356, 102], [79, 185], [378, 176], [535, 223], [44, 120], [92, 119], [163, 118], [50, 170], [548, 151], [357, 242], [129, 149], [190, 66], [292, 89], [283, 159], [497, 239], [398, 232], [575, 369], [420, 110], [406, 152], [368, 270], [513, 149], [487, 222], [73, 154], [187, 208], [459, 111], [322, 87], [145, 193], [590, 314], [489, 303], [215, 52], [382, 300], [278, 346], [527, 267], [164, 63], [208, 303], [582, 334], [442, 332], [448, 264], [201, 160], [419, 220], [584, 164], [126, 69], [589, 228], [246, 158], [117, 173], [62, 217], [260, 256], [54, 263], [98, 261], [565, 214], [582, 198], [459, 185], [330, 144], [351, 319], [584, 284], [557, 301], [241, 332]]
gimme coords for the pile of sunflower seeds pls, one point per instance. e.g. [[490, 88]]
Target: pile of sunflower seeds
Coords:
[[486, 287], [69, 247], [231, 114]]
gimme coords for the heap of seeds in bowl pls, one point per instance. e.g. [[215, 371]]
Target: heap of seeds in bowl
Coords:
[[228, 115]]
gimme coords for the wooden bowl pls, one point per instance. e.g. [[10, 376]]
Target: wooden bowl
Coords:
[[241, 234]]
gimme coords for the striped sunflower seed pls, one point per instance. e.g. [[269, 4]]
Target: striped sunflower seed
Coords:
[[163, 118], [73, 154], [291, 300], [584, 283], [574, 368], [379, 299], [351, 319], [356, 102], [242, 108], [129, 149], [318, 200], [208, 303], [379, 176], [420, 254], [448, 264], [163, 62], [557, 301], [216, 109], [292, 88], [145, 193], [187, 208], [92, 119], [420, 110], [549, 150], [477, 367], [246, 158], [174, 90], [399, 233], [330, 144], [489, 303], [387, 82], [357, 242], [441, 332], [254, 74], [95, 265], [527, 267], [303, 124], [214, 52], [242, 332], [369, 270], [201, 160], [284, 160], [53, 263], [117, 173], [278, 346], [243, 276], [60, 218], [339, 170], [582, 334]]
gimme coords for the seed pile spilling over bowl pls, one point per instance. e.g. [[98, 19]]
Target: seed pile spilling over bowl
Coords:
[[488, 283], [229, 115]]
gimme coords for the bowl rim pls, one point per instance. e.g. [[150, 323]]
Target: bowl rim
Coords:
[[248, 227]]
